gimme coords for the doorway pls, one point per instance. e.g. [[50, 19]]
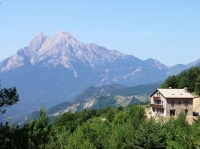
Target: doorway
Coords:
[[172, 112], [186, 112]]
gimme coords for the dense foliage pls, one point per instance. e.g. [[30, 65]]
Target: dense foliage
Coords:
[[103, 128], [8, 97], [189, 78]]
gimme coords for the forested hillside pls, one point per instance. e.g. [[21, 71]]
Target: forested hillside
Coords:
[[126, 128], [189, 78], [112, 128], [112, 95]]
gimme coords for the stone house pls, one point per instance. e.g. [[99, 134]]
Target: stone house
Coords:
[[170, 102]]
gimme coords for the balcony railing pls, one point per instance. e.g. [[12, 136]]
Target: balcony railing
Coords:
[[156, 106], [156, 98]]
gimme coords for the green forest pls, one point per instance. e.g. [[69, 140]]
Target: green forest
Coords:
[[189, 78], [104, 128], [109, 128]]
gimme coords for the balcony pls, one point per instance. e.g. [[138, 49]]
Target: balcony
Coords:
[[156, 98], [156, 106]]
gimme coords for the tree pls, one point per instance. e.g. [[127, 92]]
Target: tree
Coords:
[[6, 135], [110, 114], [86, 115], [171, 81], [150, 135], [96, 131], [66, 122], [121, 136], [120, 118], [137, 115], [179, 134], [197, 85], [183, 82], [40, 130], [196, 130], [8, 97], [120, 108], [78, 141]]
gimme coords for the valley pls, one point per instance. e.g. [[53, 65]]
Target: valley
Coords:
[[52, 70]]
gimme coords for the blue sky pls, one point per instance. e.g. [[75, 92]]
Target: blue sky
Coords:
[[168, 31]]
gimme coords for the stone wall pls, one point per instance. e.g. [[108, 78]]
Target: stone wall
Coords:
[[196, 104], [179, 105]]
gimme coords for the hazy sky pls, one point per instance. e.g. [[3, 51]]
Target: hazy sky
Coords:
[[168, 31]]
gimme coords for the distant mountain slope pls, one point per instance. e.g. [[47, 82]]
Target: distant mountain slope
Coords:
[[36, 114], [116, 89], [51, 70], [176, 69], [100, 97]]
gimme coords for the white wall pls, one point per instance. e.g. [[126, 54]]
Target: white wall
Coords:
[[163, 102]]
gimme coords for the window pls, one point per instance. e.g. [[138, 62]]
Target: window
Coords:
[[162, 111], [179, 103], [157, 102], [172, 103], [172, 112], [153, 109], [186, 103]]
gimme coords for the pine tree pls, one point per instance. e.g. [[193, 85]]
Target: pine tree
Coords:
[[197, 86], [137, 115], [171, 81], [40, 130], [8, 97]]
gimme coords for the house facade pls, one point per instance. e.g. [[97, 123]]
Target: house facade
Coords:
[[170, 102]]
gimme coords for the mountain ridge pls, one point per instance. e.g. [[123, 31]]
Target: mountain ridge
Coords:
[[113, 95], [51, 70]]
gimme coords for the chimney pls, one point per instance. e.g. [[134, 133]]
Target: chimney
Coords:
[[185, 88], [170, 87]]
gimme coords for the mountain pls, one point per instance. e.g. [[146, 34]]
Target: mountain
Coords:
[[117, 89], [51, 70], [176, 69], [112, 95], [36, 114]]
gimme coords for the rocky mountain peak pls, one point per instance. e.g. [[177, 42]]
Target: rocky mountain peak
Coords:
[[64, 33], [65, 50], [64, 38], [196, 63], [154, 62], [38, 40], [35, 44]]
